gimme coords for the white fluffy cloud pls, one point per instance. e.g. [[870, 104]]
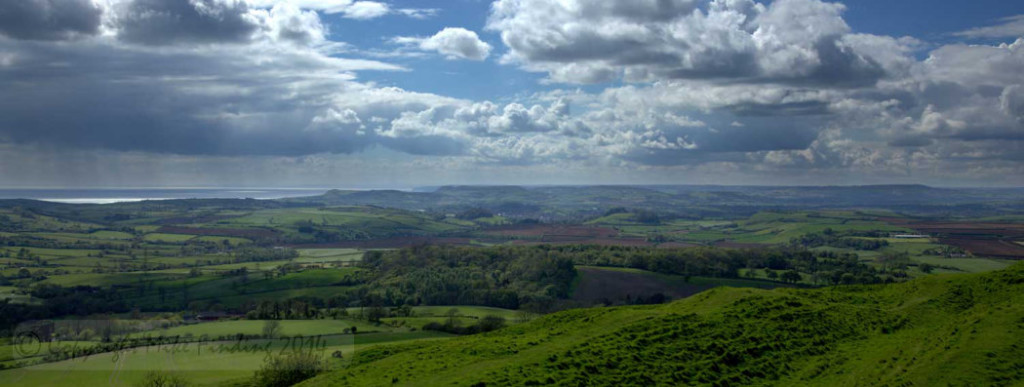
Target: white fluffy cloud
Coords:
[[452, 42], [792, 41], [366, 10]]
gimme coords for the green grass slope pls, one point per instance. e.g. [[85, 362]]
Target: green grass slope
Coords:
[[962, 329]]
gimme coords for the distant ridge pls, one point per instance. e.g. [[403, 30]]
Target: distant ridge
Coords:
[[552, 202]]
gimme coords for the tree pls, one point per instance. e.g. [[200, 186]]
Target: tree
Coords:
[[771, 274], [894, 261], [792, 276], [926, 268], [271, 329], [375, 314], [490, 323], [451, 314]]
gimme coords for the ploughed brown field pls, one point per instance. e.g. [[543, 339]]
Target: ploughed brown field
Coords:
[[987, 247], [998, 240]]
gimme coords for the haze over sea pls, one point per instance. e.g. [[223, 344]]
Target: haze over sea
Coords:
[[102, 195]]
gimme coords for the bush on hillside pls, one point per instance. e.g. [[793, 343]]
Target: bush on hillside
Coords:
[[163, 379], [283, 371]]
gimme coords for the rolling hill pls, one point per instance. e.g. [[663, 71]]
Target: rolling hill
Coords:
[[965, 329]]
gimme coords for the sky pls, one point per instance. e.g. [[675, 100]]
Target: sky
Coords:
[[396, 94]]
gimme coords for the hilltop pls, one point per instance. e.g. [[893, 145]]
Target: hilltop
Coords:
[[965, 329]]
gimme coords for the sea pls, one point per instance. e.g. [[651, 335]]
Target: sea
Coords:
[[117, 195]]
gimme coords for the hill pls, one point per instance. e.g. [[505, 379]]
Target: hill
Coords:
[[965, 329]]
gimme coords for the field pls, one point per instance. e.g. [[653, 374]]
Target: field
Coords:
[[328, 255], [997, 240], [200, 353], [203, 363], [387, 243], [764, 228], [988, 247], [11, 294], [760, 229], [255, 327], [161, 237]]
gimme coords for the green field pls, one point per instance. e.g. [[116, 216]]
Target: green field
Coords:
[[255, 327], [106, 279], [232, 291], [219, 239], [10, 293], [171, 238], [370, 221], [467, 311], [328, 255], [207, 363], [762, 228]]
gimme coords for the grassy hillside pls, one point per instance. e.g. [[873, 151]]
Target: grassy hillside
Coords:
[[963, 329]]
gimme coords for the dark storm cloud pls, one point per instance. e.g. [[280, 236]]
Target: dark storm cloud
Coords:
[[158, 22], [49, 19]]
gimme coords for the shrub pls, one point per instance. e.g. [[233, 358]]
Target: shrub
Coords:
[[163, 379], [271, 329], [288, 370]]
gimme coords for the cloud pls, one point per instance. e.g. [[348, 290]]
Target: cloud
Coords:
[[418, 13], [287, 22], [350, 9], [366, 10], [716, 88], [452, 42], [1011, 27], [191, 22], [198, 22], [262, 98], [157, 22], [792, 41], [49, 19]]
